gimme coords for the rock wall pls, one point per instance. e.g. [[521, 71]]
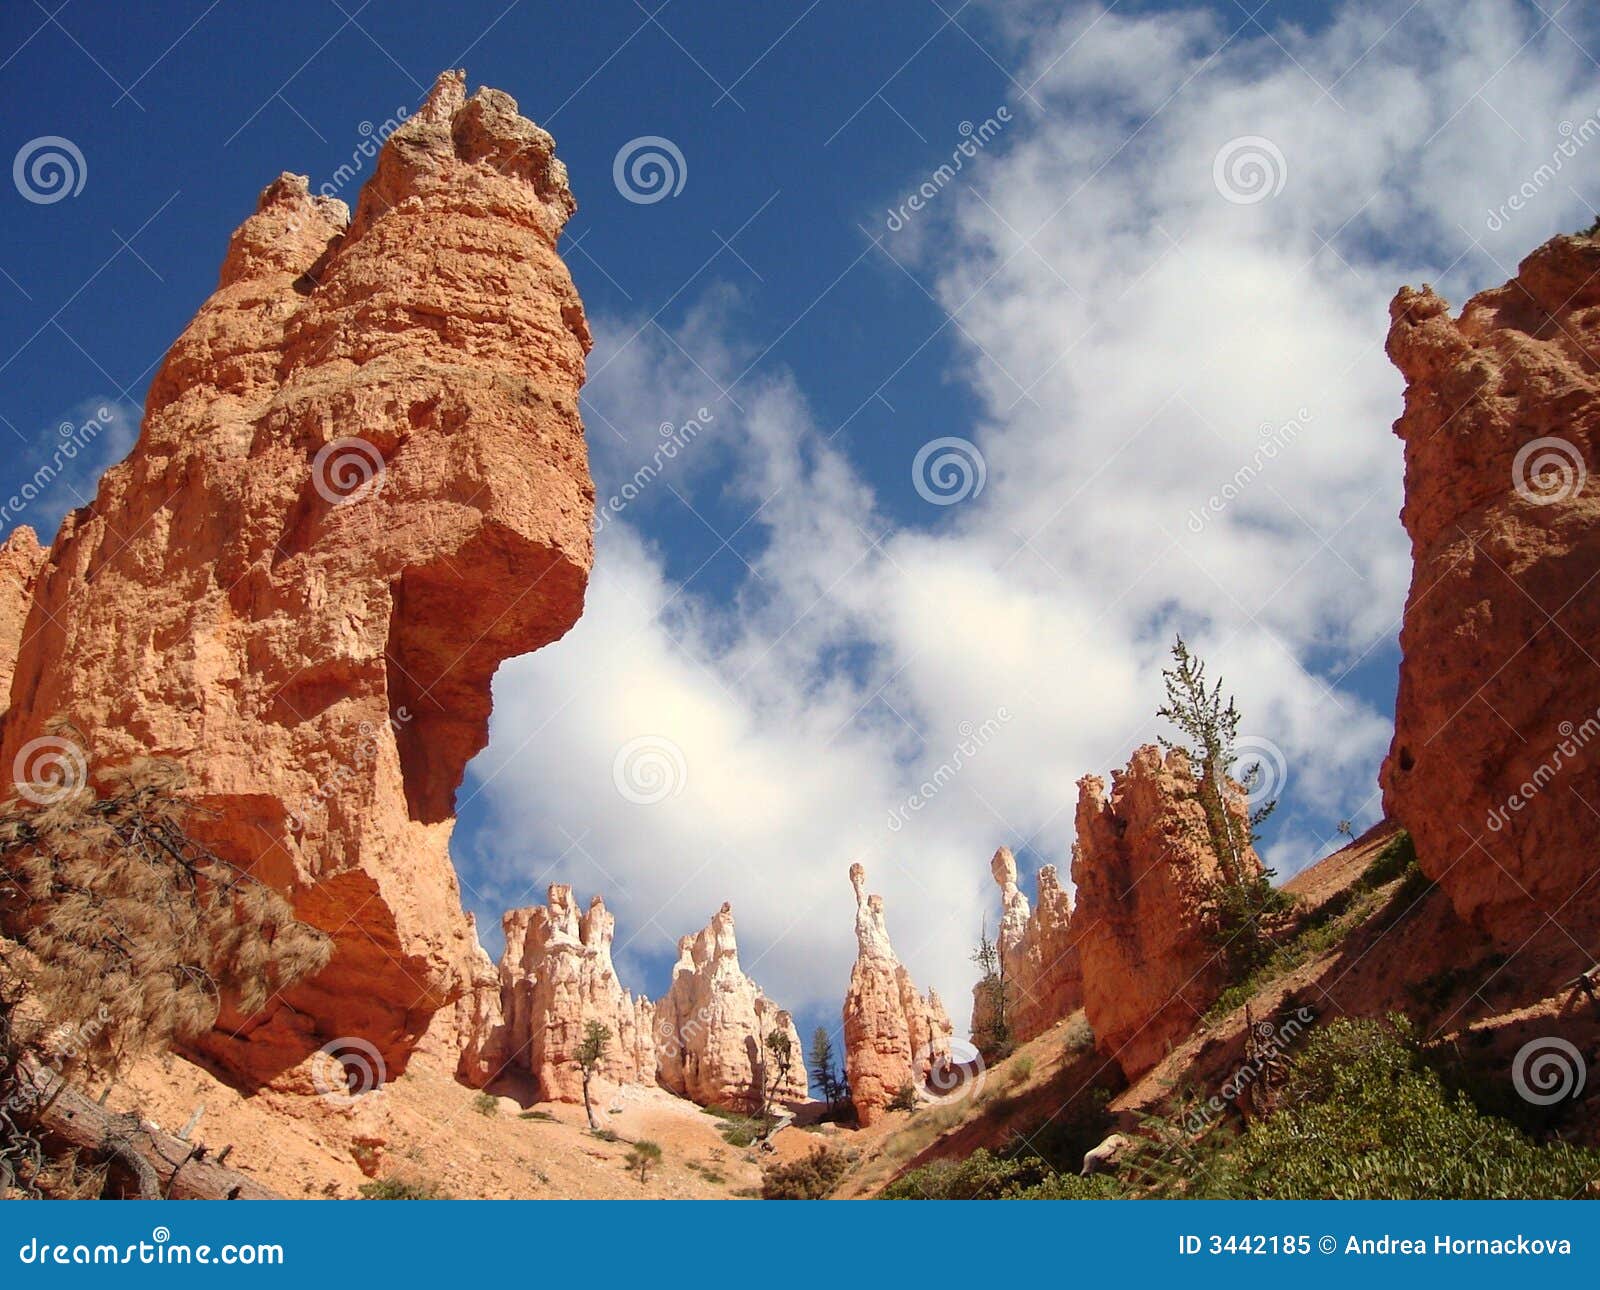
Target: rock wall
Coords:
[[1495, 765], [360, 483], [556, 976], [21, 558], [1038, 955], [893, 1035], [1144, 870], [713, 1023]]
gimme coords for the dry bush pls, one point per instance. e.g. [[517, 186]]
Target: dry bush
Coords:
[[125, 934], [136, 931]]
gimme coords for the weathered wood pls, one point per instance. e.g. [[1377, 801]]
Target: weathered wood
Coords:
[[147, 1161]]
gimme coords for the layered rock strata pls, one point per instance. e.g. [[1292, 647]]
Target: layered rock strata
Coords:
[[359, 485]]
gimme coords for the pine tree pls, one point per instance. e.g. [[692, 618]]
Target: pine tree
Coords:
[[994, 1040], [590, 1052], [774, 1074], [1245, 893], [822, 1069]]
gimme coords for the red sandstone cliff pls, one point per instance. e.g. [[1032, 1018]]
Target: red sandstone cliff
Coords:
[[1145, 873], [1038, 955], [1495, 765], [359, 485]]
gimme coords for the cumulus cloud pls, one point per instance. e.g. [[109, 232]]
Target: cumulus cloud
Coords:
[[1184, 426]]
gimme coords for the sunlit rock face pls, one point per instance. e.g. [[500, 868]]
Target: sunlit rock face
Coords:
[[893, 1035], [1495, 765], [713, 1025], [360, 484], [1145, 872]]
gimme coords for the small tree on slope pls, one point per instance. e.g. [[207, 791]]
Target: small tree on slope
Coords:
[[1212, 725], [589, 1055]]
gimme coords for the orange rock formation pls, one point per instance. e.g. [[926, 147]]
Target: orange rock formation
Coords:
[[1038, 956], [1495, 765], [893, 1036], [1145, 870], [359, 485], [713, 1024]]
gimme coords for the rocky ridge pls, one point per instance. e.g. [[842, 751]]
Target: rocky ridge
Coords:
[[1145, 871]]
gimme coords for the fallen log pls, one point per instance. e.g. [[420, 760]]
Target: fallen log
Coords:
[[145, 1161]]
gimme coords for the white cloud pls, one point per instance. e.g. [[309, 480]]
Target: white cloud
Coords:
[[63, 462], [1135, 340]]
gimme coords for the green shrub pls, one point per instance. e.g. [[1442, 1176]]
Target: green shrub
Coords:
[[642, 1157], [486, 1104], [740, 1129], [1363, 1117], [1079, 1034], [812, 1178], [905, 1099], [538, 1115], [984, 1176], [396, 1188], [1399, 854]]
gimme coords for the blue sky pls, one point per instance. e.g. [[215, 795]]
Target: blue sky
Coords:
[[1112, 319]]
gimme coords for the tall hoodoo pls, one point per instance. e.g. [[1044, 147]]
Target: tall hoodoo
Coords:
[[713, 1024], [1038, 957], [1146, 872], [555, 978], [1495, 762], [360, 484], [893, 1036]]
